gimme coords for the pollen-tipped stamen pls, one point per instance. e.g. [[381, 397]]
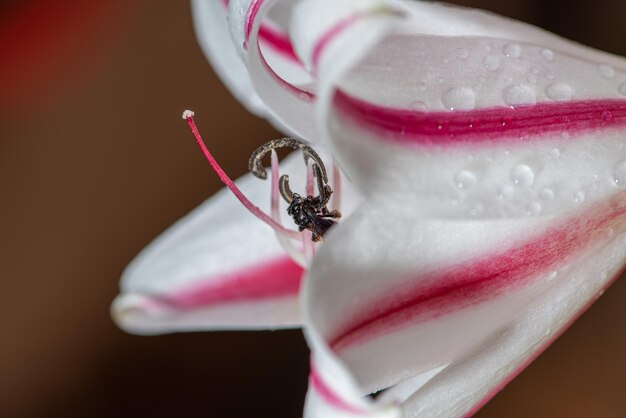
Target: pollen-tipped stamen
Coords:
[[188, 116]]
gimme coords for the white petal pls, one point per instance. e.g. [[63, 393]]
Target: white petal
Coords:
[[219, 267], [210, 22], [445, 20], [489, 152], [291, 103], [476, 378], [489, 162], [226, 56], [289, 96], [393, 296], [390, 129]]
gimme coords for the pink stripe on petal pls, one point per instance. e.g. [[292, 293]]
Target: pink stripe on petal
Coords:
[[301, 94], [273, 38], [253, 10], [481, 280], [279, 42], [411, 127], [274, 279], [328, 36], [537, 353], [328, 395]]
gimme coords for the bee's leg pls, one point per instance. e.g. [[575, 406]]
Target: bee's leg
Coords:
[[331, 214], [316, 237], [325, 213]]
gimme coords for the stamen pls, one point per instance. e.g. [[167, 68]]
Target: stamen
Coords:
[[294, 253], [311, 212], [275, 192], [310, 180], [188, 116], [336, 186], [255, 164], [307, 241]]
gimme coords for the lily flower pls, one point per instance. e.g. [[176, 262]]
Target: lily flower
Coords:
[[486, 167]]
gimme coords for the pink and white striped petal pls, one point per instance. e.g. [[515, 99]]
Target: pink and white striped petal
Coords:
[[491, 157], [219, 267], [493, 170], [290, 98], [214, 36], [457, 120], [480, 298]]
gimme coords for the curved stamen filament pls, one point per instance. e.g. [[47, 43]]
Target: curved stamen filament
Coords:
[[308, 246], [188, 116], [336, 186], [293, 252]]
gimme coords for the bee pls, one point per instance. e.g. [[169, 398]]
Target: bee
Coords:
[[310, 212]]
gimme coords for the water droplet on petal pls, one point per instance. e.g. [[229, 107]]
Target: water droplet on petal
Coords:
[[551, 277], [534, 209], [622, 89], [619, 174], [606, 70], [550, 75], [547, 55], [559, 91], [418, 105], [491, 62], [462, 53], [477, 209], [522, 175], [520, 94], [555, 153], [422, 86], [465, 179], [459, 98], [512, 50], [505, 192], [579, 196], [607, 116], [546, 194]]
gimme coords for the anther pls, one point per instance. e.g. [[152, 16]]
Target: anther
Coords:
[[310, 213]]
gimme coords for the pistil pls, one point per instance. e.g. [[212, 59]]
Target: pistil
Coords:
[[188, 116]]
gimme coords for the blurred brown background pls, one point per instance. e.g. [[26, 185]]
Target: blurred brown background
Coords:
[[95, 162]]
